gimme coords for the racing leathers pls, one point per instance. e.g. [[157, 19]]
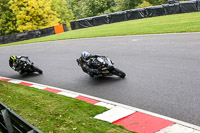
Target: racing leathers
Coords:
[[88, 66], [16, 64]]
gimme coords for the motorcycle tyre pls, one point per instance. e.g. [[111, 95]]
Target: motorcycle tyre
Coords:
[[37, 70], [119, 73], [91, 75]]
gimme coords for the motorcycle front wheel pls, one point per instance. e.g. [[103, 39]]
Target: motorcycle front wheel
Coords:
[[37, 70], [119, 73]]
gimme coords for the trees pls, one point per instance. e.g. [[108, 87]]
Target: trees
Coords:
[[23, 15], [89, 8], [157, 2], [7, 18], [62, 12], [33, 14], [74, 6], [144, 4], [122, 5], [96, 7]]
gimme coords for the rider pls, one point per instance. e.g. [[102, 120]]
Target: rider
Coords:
[[86, 61], [14, 63]]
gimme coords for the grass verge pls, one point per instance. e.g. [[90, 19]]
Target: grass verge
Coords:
[[53, 113], [186, 22]]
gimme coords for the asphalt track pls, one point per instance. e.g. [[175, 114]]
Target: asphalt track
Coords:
[[162, 70]]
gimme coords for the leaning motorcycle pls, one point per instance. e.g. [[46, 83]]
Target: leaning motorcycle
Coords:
[[28, 67], [106, 67]]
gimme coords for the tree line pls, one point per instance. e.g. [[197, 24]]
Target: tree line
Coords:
[[23, 15]]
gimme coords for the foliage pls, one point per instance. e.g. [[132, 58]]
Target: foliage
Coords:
[[63, 13], [144, 4], [7, 18], [122, 5], [95, 7], [33, 14], [159, 2], [89, 8], [73, 5]]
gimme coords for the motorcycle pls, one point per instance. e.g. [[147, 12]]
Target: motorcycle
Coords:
[[28, 67], [106, 67]]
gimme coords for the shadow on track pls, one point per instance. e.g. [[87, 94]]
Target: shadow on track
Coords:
[[104, 80], [24, 76]]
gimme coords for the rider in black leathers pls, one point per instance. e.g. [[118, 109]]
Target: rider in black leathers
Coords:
[[87, 63], [14, 63]]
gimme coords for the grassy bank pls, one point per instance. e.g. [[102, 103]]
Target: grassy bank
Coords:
[[53, 113], [178, 23]]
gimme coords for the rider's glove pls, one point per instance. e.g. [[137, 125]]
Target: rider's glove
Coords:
[[13, 68]]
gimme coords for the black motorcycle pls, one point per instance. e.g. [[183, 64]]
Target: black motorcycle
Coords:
[[106, 67], [27, 66]]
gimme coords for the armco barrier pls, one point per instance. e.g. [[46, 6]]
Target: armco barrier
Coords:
[[1, 39], [9, 38], [45, 32], [22, 36], [173, 1], [117, 17], [174, 7], [171, 8], [73, 25], [33, 34], [84, 23], [10, 122], [198, 5], [135, 13], [89, 22], [154, 11], [100, 20], [188, 6]]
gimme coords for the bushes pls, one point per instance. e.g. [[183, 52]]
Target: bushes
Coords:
[[144, 4]]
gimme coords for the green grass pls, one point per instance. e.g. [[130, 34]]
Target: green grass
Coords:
[[53, 113], [178, 23]]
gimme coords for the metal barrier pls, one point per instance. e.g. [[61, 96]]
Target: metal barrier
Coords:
[[33, 34], [10, 122]]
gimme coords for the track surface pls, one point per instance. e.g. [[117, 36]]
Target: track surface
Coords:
[[163, 71]]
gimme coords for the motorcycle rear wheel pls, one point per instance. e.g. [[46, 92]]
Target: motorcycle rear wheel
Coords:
[[119, 73]]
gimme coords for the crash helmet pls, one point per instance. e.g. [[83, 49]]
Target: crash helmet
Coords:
[[13, 58], [85, 55]]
